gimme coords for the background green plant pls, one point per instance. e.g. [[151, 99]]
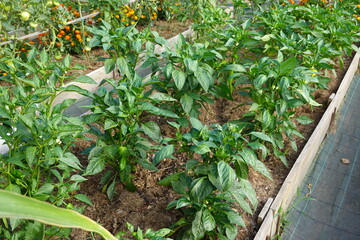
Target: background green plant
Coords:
[[39, 163], [124, 133]]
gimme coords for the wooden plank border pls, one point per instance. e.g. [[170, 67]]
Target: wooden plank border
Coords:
[[296, 175]]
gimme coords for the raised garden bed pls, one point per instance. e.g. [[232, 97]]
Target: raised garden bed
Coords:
[[151, 199], [271, 223]]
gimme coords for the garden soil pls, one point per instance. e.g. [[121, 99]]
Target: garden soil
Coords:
[[146, 207]]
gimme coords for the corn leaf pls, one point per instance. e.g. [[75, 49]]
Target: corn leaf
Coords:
[[14, 205]]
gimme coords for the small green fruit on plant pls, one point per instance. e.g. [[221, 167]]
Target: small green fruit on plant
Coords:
[[52, 3], [33, 24], [24, 16]]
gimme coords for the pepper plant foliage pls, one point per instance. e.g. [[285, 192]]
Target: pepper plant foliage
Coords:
[[186, 74], [214, 180], [275, 61], [123, 113], [39, 162]]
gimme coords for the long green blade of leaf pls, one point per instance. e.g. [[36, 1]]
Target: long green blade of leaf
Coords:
[[14, 205]]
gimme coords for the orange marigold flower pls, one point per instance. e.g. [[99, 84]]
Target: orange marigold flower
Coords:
[[67, 37], [59, 35], [78, 36], [67, 28], [4, 74]]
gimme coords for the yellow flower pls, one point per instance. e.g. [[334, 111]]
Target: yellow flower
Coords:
[[143, 16], [132, 23]]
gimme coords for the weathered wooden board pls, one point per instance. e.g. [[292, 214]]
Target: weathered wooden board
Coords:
[[264, 210]]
